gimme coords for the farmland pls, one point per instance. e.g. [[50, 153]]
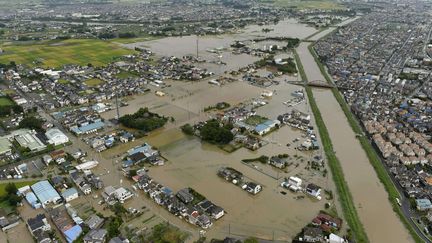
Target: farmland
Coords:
[[58, 53]]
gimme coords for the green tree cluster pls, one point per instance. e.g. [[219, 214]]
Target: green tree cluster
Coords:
[[11, 197], [165, 233], [143, 120], [31, 122], [187, 129], [213, 132]]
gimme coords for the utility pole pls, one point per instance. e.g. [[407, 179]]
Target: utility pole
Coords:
[[197, 45], [117, 105]]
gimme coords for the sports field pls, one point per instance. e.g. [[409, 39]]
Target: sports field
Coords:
[[58, 53]]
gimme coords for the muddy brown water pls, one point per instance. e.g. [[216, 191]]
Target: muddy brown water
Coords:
[[187, 45], [191, 163], [371, 199]]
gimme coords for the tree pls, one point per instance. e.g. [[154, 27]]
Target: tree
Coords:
[[31, 122], [13, 199], [11, 189], [213, 132], [143, 120], [251, 240], [113, 227], [187, 129]]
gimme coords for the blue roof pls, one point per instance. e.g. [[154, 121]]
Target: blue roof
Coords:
[[142, 149], [69, 192], [44, 191], [31, 198], [269, 122], [73, 233], [166, 191], [261, 127], [92, 126], [127, 163], [424, 203]]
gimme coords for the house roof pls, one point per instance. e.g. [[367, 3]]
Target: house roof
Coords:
[[69, 192], [424, 203], [54, 133], [73, 233], [44, 191], [261, 128], [92, 126], [31, 198], [94, 221], [313, 232], [96, 235], [36, 222]]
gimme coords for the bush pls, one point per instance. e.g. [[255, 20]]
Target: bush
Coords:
[[187, 129]]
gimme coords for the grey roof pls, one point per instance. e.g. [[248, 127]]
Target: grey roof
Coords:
[[96, 235], [36, 222], [94, 221]]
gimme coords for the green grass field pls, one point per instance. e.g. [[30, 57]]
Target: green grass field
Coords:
[[255, 120], [6, 101], [124, 74], [63, 81], [58, 53], [17, 184], [307, 4], [93, 82]]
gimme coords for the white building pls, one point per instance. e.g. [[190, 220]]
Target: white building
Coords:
[[70, 194], [27, 138], [56, 137]]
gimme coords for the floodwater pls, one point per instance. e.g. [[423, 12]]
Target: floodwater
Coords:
[[371, 199], [190, 163], [195, 164], [187, 45]]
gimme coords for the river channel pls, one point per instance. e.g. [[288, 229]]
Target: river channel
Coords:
[[371, 199]]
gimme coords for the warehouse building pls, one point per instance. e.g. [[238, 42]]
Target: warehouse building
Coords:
[[46, 193], [56, 137]]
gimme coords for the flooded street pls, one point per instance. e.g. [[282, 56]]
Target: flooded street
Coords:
[[371, 199]]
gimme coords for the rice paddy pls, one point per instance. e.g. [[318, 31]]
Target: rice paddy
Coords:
[[55, 54]]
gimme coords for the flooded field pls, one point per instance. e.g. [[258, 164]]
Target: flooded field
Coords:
[[187, 45], [370, 197]]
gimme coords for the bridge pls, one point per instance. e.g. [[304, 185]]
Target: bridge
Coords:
[[313, 83]]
